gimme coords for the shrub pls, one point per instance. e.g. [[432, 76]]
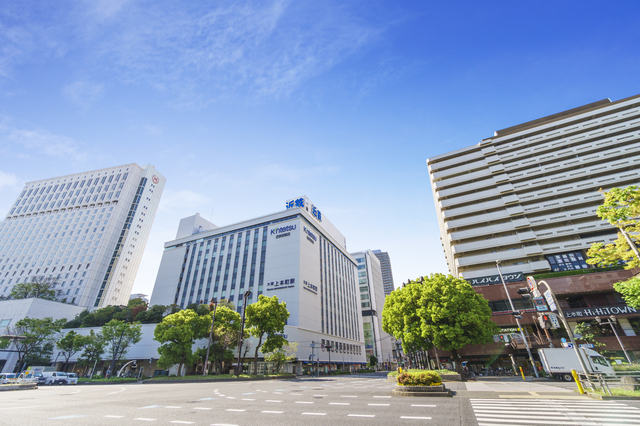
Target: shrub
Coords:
[[427, 378]]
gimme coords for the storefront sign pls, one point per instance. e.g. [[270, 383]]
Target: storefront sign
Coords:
[[310, 287], [495, 279], [600, 311], [281, 284]]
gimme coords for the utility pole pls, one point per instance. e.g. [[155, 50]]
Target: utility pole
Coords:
[[241, 336], [513, 310], [213, 319]]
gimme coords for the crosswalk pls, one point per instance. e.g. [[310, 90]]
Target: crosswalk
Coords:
[[531, 412]]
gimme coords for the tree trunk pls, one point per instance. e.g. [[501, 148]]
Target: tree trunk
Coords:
[[180, 367], [437, 358], [456, 357], [255, 360]]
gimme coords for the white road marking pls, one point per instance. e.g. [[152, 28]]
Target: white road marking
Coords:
[[339, 403], [19, 408], [114, 417], [182, 422], [72, 416], [378, 396], [415, 418], [234, 409], [121, 390], [231, 397], [150, 406], [360, 415], [145, 420], [272, 400], [314, 414], [417, 405], [207, 399], [202, 408], [304, 402], [272, 412], [319, 395], [379, 405], [348, 396], [247, 399], [222, 424], [171, 406]]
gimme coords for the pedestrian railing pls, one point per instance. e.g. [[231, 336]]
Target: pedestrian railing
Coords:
[[599, 382]]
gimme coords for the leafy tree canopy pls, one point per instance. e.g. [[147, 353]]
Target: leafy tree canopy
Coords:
[[33, 335], [40, 287], [281, 355], [120, 336], [630, 291], [94, 346], [266, 317], [177, 333]]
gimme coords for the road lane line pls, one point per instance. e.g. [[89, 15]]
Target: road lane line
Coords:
[[72, 416], [272, 412], [418, 405], [171, 406], [248, 399], [272, 400], [348, 396], [182, 422], [415, 418], [150, 406], [145, 420], [202, 408], [360, 415], [235, 410], [339, 403], [378, 396], [114, 417], [314, 414], [304, 402], [379, 405], [319, 395], [222, 424]]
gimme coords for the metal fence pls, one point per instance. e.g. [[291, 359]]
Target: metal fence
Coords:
[[599, 382]]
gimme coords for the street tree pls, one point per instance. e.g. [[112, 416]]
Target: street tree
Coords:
[[281, 355], [225, 335], [177, 334], [40, 287], [120, 336], [449, 313], [621, 208], [70, 344], [32, 335], [93, 349], [588, 333], [265, 320]]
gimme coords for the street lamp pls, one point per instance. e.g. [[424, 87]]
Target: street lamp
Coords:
[[214, 302], [516, 315], [612, 321], [328, 348], [240, 337]]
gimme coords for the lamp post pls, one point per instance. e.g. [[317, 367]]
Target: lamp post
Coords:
[[612, 321], [514, 312], [328, 348], [240, 337], [213, 319]]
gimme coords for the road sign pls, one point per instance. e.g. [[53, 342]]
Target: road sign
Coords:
[[531, 283], [563, 340], [586, 345], [540, 304], [567, 345], [555, 323], [552, 304]]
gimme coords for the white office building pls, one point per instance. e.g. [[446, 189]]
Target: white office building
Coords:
[[528, 195], [295, 254], [87, 231], [372, 295]]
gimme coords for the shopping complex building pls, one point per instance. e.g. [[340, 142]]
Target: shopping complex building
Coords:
[[295, 254], [527, 197]]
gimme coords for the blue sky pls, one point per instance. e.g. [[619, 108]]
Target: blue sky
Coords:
[[243, 105]]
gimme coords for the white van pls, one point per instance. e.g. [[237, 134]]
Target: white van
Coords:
[[55, 378], [558, 362], [8, 378], [72, 378]]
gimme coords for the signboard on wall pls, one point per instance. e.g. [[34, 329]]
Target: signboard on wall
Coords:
[[495, 279]]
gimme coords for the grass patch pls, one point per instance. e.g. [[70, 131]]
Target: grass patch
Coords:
[[617, 392], [415, 370], [626, 367], [112, 379]]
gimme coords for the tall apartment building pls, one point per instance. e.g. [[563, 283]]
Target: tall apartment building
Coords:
[[295, 254], [377, 342], [387, 275], [87, 231], [528, 195]]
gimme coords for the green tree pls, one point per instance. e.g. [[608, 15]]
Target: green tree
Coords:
[[40, 287], [40, 355], [265, 320], [33, 334], [120, 336], [94, 346], [153, 315], [400, 316], [70, 344], [373, 361], [225, 335], [281, 355], [449, 312], [630, 291], [588, 333], [177, 334]]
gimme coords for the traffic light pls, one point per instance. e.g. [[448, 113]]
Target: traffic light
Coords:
[[524, 292], [517, 314], [545, 321]]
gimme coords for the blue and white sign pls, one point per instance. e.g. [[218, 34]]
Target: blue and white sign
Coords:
[[302, 202], [549, 297], [310, 235], [563, 340], [586, 345]]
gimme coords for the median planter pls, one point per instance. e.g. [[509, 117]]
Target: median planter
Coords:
[[419, 391]]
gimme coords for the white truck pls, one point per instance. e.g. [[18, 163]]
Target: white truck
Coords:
[[558, 362]]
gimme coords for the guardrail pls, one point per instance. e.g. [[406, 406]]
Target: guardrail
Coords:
[[603, 383]]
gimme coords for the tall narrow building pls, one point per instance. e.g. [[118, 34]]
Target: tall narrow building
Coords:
[[86, 232], [370, 282], [387, 275]]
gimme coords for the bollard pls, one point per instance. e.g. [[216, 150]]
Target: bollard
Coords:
[[400, 370], [522, 372], [574, 373]]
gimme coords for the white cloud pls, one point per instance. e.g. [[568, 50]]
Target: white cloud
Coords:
[[83, 93], [30, 143], [183, 201], [8, 180]]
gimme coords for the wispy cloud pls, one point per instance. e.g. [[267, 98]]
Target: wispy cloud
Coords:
[[183, 201], [8, 180], [26, 143], [83, 93]]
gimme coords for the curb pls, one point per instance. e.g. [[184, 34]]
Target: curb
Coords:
[[593, 395], [150, 382], [421, 394], [8, 388]]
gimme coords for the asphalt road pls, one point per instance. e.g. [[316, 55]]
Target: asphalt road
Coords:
[[353, 399], [356, 399]]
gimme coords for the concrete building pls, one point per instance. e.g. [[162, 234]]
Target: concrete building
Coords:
[[86, 231], [295, 254], [144, 297], [377, 342], [387, 274], [12, 311], [528, 194], [528, 197]]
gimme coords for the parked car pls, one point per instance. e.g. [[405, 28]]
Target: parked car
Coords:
[[72, 378], [55, 378], [27, 378], [7, 378]]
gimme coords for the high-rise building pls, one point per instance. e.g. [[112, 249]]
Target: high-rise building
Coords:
[[84, 231], [385, 266], [295, 254], [377, 342], [528, 195]]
